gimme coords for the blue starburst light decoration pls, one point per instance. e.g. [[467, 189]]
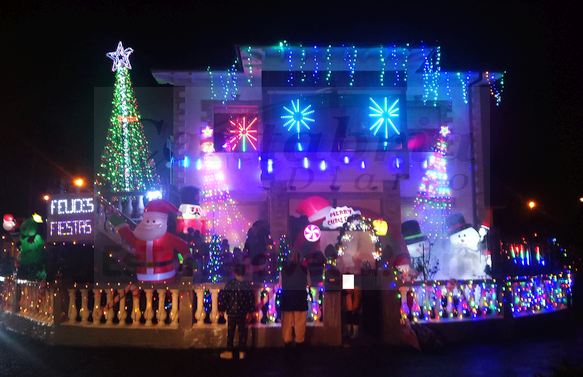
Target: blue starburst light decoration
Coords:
[[120, 57], [385, 114], [297, 117]]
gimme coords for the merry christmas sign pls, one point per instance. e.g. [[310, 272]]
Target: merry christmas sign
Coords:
[[337, 216]]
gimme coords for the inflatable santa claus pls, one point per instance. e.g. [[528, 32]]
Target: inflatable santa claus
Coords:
[[152, 243]]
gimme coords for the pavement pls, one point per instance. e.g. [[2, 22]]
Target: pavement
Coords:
[[526, 355]]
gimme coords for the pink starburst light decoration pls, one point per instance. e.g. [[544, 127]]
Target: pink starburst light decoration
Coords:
[[243, 133]]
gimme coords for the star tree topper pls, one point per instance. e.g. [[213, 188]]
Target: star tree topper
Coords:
[[120, 57]]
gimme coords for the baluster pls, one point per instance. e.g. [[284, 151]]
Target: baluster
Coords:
[[136, 313], [120, 204], [214, 317], [161, 313], [174, 312], [149, 312], [84, 312], [23, 304], [51, 297], [123, 307], [129, 207], [200, 313], [139, 206], [72, 313], [31, 312], [44, 303], [109, 314], [97, 310]]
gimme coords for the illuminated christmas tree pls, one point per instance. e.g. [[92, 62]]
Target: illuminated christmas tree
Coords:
[[433, 202], [126, 164], [219, 208]]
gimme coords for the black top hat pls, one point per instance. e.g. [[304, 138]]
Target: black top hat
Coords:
[[189, 195], [456, 223], [412, 232]]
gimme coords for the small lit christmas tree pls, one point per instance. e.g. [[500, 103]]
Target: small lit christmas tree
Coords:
[[433, 202], [126, 163], [215, 260]]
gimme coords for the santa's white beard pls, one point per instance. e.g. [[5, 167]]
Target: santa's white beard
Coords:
[[149, 232]]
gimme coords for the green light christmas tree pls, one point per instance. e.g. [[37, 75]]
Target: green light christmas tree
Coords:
[[433, 202], [126, 164]]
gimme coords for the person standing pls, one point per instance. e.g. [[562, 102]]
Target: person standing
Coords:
[[238, 300], [294, 279]]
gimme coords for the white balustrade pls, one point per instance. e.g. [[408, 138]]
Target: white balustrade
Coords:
[[97, 310], [161, 314], [200, 312], [174, 312], [136, 312], [149, 312], [84, 312], [214, 315], [123, 307], [72, 313]]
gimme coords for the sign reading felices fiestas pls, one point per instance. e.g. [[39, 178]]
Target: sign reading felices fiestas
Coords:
[[338, 216], [70, 217]]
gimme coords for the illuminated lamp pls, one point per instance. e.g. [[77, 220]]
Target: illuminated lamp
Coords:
[[380, 227], [306, 163], [37, 218], [323, 165], [154, 195]]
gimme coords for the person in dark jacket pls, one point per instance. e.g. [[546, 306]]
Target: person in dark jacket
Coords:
[[238, 300], [294, 279]]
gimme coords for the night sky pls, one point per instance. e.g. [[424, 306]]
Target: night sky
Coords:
[[54, 59]]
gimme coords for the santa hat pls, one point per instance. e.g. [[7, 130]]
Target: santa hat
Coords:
[[402, 260], [315, 207], [160, 206], [456, 223], [486, 225], [189, 195], [412, 232]]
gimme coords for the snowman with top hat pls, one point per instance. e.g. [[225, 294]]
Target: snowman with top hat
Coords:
[[464, 258], [417, 244]]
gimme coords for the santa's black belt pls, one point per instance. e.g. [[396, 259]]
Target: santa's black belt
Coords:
[[155, 264]]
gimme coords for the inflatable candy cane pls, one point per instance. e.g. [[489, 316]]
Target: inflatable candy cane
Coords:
[[135, 294]]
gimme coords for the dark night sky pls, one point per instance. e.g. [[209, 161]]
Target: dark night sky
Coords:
[[54, 57]]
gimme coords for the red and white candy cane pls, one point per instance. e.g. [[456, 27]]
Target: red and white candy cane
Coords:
[[135, 293]]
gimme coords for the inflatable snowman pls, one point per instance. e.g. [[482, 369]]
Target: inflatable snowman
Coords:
[[463, 261], [416, 244]]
